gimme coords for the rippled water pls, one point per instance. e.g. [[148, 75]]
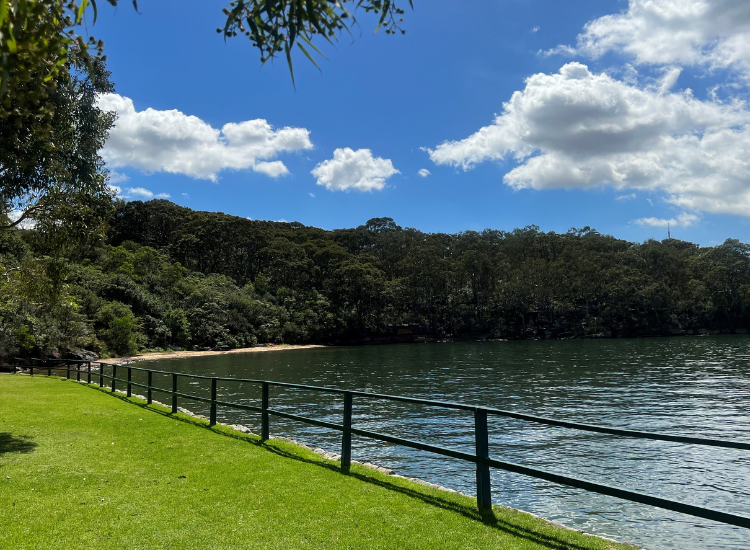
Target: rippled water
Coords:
[[693, 386]]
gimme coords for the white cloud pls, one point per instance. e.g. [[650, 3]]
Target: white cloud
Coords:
[[186, 195], [349, 169], [424, 172], [312, 195], [684, 219], [274, 169], [137, 193], [579, 129], [535, 29], [628, 197], [173, 142], [708, 33], [117, 177]]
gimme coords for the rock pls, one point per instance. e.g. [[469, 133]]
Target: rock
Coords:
[[241, 428], [190, 413], [81, 355]]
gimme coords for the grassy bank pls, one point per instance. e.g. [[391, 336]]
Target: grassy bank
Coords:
[[83, 469]]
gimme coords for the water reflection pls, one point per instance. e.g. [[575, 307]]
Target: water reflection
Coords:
[[697, 386]]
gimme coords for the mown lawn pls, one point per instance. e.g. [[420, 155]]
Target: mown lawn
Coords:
[[80, 468]]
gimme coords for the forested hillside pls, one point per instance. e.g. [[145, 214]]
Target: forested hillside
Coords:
[[169, 276]]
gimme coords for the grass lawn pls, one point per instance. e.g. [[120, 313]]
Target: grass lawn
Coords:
[[80, 468]]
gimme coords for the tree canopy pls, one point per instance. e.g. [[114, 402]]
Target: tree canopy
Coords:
[[169, 276]]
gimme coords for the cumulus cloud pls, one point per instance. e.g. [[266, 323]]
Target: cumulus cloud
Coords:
[[580, 129], [349, 169], [709, 33], [173, 142], [424, 172], [685, 219]]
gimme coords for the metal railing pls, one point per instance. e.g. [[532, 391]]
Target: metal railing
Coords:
[[481, 458]]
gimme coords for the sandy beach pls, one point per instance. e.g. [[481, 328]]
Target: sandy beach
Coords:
[[179, 354]]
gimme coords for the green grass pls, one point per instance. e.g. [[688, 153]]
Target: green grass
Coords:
[[80, 468]]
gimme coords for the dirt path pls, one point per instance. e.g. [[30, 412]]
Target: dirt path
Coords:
[[178, 354]]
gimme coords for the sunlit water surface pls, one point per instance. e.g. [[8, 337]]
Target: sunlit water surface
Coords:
[[696, 386]]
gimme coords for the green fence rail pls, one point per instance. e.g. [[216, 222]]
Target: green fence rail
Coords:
[[481, 458]]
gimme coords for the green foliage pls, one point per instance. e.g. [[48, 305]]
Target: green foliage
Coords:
[[119, 326], [37, 42]]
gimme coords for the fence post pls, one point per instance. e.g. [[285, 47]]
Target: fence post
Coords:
[[264, 414], [484, 495], [32, 369], [78, 372], [101, 374], [346, 438], [67, 370], [149, 384], [130, 379], [49, 369], [114, 375], [174, 393], [88, 378], [212, 419]]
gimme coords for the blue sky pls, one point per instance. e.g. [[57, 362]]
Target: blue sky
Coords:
[[619, 115]]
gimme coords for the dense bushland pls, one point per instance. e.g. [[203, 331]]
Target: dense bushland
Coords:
[[169, 276]]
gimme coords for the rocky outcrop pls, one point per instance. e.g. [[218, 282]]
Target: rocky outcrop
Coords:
[[81, 355]]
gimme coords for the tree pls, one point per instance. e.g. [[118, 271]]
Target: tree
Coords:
[[50, 169]]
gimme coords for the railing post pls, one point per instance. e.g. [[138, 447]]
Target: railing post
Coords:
[[484, 494], [114, 375], [212, 418], [88, 378], [78, 372], [174, 393], [264, 414], [346, 438], [31, 369], [49, 369], [101, 374], [130, 379], [149, 384], [67, 370]]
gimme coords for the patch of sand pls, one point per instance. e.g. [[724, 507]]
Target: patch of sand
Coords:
[[178, 354]]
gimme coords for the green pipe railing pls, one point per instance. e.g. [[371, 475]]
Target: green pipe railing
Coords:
[[481, 458]]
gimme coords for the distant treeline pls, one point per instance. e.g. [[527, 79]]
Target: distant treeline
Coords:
[[170, 276]]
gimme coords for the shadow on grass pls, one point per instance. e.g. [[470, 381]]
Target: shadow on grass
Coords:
[[10, 443], [489, 518]]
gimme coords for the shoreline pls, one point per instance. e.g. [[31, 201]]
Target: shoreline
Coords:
[[156, 355]]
